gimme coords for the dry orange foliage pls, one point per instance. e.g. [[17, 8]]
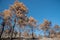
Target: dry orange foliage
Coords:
[[7, 13]]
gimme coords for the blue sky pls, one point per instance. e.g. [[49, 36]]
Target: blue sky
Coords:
[[39, 9]]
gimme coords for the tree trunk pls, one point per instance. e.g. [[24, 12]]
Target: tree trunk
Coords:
[[2, 30]]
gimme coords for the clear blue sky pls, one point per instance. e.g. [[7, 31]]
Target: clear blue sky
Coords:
[[39, 9]]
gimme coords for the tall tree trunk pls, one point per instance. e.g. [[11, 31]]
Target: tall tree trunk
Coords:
[[32, 34], [12, 30], [44, 33], [3, 24]]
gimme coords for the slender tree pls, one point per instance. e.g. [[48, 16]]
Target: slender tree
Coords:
[[45, 26]]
